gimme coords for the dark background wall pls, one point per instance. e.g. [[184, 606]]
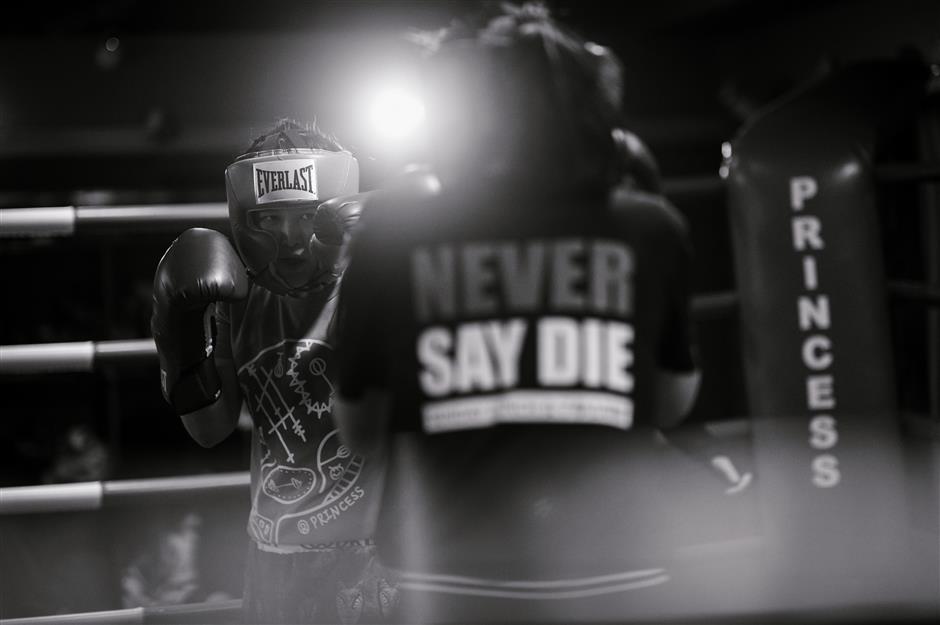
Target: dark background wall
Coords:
[[155, 115]]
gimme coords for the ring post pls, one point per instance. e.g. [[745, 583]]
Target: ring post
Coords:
[[817, 350]]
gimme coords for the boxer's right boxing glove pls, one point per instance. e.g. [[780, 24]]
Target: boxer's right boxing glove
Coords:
[[199, 268]]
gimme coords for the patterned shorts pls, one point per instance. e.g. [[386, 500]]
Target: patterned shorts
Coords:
[[340, 583]]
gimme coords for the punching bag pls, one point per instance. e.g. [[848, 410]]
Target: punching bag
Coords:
[[816, 336]]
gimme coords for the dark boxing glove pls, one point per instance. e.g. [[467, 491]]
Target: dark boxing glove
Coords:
[[332, 224], [200, 267], [638, 167], [336, 217]]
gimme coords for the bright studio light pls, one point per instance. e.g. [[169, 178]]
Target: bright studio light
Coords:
[[396, 114]]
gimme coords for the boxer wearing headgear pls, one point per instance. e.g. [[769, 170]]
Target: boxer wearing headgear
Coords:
[[282, 178], [252, 324]]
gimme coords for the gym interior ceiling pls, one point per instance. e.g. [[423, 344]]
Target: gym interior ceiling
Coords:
[[131, 94]]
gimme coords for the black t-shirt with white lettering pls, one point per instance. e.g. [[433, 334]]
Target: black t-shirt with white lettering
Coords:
[[517, 337]]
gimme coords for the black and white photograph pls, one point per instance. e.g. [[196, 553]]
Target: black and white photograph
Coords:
[[520, 312]]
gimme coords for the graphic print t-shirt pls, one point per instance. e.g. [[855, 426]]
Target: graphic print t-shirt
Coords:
[[515, 310], [518, 340], [307, 488]]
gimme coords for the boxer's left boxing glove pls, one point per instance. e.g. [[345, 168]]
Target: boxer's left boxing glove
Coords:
[[336, 217], [198, 269]]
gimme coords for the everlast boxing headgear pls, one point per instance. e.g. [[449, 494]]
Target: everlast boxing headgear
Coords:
[[288, 168]]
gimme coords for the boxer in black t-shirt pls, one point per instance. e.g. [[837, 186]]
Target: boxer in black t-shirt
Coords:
[[514, 340]]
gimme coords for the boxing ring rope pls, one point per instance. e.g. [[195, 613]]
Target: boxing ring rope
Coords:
[[914, 291], [692, 185], [228, 611], [892, 173], [87, 355], [76, 356], [80, 220], [115, 493], [84, 356]]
